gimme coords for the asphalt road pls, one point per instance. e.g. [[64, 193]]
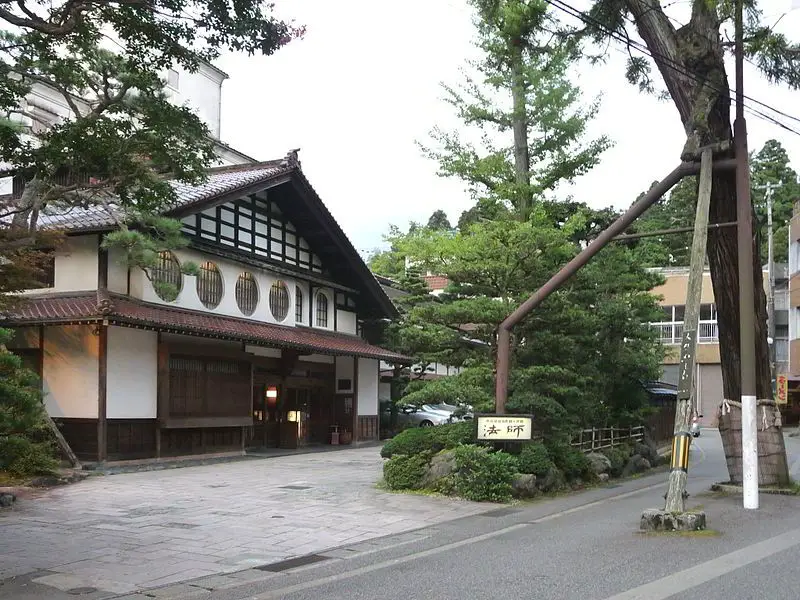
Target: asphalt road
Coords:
[[584, 546]]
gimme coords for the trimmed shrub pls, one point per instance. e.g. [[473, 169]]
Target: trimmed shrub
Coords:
[[570, 461], [21, 457], [618, 457], [404, 472], [417, 440], [482, 475], [534, 460]]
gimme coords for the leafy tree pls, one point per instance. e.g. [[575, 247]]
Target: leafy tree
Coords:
[[691, 61], [439, 220], [21, 417], [520, 87], [770, 166], [121, 134]]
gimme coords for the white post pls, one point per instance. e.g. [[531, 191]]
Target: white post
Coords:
[[749, 452]]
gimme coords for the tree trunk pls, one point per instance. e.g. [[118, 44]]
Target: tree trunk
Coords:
[[691, 61], [522, 165]]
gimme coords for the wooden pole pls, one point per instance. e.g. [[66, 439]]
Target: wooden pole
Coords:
[[691, 318]]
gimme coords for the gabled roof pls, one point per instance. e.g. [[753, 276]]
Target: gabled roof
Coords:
[[298, 201], [97, 306]]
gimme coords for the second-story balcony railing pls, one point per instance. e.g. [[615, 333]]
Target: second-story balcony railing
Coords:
[[670, 333]]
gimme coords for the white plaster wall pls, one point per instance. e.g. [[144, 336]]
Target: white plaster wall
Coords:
[[117, 271], [132, 377], [384, 391], [201, 91], [345, 368], [367, 386], [70, 371], [318, 358], [346, 321], [263, 351], [76, 264]]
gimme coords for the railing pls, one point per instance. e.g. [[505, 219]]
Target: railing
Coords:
[[592, 440], [670, 333]]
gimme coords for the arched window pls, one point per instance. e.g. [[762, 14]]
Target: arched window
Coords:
[[298, 304], [209, 285], [166, 276], [322, 310], [246, 293], [279, 300]]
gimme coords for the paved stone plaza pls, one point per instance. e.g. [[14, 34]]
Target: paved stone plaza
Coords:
[[128, 532]]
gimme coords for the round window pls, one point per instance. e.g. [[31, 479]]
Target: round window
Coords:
[[246, 293], [166, 276], [279, 300], [209, 285]]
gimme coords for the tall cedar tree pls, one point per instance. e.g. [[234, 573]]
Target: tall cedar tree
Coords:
[[691, 61]]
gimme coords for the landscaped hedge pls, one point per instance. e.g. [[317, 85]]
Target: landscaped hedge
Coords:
[[534, 460], [418, 440], [404, 472]]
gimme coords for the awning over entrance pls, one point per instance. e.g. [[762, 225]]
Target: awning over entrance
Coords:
[[90, 307]]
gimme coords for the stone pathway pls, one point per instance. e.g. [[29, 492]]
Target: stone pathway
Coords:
[[135, 531]]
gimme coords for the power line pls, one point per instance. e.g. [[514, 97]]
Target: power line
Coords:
[[574, 12]]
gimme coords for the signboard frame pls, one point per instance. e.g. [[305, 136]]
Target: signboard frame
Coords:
[[479, 416], [782, 389]]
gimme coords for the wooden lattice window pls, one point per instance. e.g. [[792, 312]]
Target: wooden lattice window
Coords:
[[322, 310], [209, 285], [298, 305], [166, 276], [279, 300], [247, 293]]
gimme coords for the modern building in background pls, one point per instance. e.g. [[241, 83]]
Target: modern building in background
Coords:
[[708, 374]]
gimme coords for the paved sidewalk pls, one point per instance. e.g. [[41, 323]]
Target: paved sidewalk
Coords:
[[129, 532]]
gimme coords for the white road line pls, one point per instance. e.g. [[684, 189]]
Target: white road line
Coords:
[[282, 592], [679, 582]]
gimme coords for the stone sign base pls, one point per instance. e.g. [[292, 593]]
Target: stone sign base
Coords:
[[656, 519]]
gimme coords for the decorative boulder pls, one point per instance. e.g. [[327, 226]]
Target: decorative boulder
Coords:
[[7, 499], [603, 477], [636, 464], [599, 462], [655, 519], [648, 451], [553, 481], [441, 465], [524, 485]]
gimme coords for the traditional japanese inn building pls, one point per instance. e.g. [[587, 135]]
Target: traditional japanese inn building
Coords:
[[264, 347]]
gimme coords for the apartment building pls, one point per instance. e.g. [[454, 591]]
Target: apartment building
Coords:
[[708, 375]]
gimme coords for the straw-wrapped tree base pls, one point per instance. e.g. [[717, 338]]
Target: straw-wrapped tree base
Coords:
[[772, 467]]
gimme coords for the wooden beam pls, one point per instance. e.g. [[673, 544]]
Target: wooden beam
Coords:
[[102, 388], [686, 377], [355, 398]]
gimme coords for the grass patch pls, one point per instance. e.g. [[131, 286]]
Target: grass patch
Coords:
[[9, 480], [698, 533]]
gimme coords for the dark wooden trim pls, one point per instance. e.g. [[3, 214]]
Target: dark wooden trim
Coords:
[[102, 265], [335, 316], [311, 314], [211, 350], [355, 398], [202, 422], [102, 387], [163, 389], [41, 357], [128, 282]]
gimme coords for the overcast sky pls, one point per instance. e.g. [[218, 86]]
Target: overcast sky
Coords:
[[364, 84]]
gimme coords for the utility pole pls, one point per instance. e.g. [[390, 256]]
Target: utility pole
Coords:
[[771, 284], [747, 326]]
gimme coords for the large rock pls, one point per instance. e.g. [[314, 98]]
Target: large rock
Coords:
[[649, 451], [636, 464], [7, 499], [655, 519], [553, 481], [524, 486], [441, 465], [600, 462]]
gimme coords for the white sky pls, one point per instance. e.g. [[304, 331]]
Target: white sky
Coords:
[[363, 85]]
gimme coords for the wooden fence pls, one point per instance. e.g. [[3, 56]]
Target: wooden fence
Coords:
[[593, 440]]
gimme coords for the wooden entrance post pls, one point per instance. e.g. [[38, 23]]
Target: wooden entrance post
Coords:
[[683, 411]]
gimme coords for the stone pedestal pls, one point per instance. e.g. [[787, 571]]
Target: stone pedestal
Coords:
[[656, 519]]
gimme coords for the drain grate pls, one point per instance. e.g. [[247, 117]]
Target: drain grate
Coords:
[[500, 512], [295, 487], [293, 563]]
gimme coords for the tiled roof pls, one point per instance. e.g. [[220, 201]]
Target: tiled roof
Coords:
[[222, 180], [122, 310]]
